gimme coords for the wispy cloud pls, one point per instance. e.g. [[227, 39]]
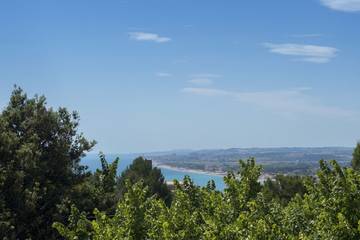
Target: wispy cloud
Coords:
[[307, 35], [145, 36], [342, 5], [207, 91], [205, 75], [163, 74], [307, 53], [284, 101], [201, 81]]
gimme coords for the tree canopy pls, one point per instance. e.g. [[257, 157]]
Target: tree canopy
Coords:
[[47, 194], [355, 163], [40, 151], [284, 188], [329, 209], [142, 169]]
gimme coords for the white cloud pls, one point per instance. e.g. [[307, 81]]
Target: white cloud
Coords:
[[206, 91], [307, 53], [163, 74], [283, 101], [205, 75], [201, 81], [343, 5], [307, 35], [144, 36]]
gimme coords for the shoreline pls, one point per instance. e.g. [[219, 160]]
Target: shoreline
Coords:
[[262, 177], [189, 170]]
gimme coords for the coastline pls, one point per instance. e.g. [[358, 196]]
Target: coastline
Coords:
[[189, 170], [262, 177]]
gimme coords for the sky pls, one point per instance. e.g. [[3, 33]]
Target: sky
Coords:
[[157, 75]]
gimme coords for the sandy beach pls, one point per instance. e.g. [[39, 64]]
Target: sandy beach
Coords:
[[188, 170], [262, 177]]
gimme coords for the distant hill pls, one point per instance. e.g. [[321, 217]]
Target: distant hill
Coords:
[[289, 160]]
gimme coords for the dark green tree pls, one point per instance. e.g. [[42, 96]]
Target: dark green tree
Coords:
[[355, 163], [142, 169], [98, 190], [284, 188], [40, 152]]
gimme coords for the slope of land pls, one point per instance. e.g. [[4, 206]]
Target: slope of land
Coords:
[[292, 160]]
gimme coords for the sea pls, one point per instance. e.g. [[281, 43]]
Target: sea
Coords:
[[199, 178]]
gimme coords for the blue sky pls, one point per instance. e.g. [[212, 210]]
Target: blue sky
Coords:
[[159, 75]]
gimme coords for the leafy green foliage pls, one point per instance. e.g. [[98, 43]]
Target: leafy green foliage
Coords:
[[42, 183], [284, 188], [331, 209], [328, 209], [79, 226], [355, 163], [128, 221], [40, 151], [142, 170], [98, 190]]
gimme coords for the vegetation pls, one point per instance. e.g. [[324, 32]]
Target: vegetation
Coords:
[[47, 194], [98, 190], [41, 177], [355, 163], [330, 209], [40, 151], [283, 188], [142, 170]]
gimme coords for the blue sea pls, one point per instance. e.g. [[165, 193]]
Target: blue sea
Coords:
[[201, 179]]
